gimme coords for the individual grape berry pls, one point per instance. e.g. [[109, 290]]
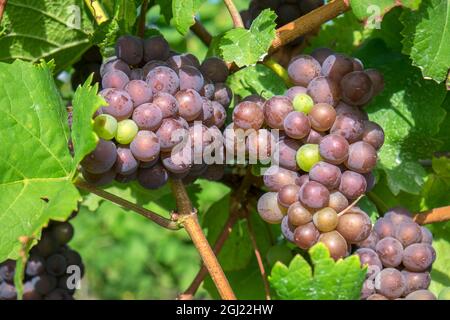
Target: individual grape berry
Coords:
[[126, 131], [307, 156], [427, 236], [166, 103], [348, 126], [324, 90], [139, 91], [46, 245], [314, 137], [102, 158], [287, 229], [326, 174], [275, 110], [275, 178], [377, 80], [62, 232], [369, 258], [302, 103], [322, 117], [337, 201], [190, 78], [215, 69], [354, 226], [126, 178], [114, 64], [334, 148], [99, 179], [302, 69], [418, 257], [105, 126], [335, 243], [357, 65], [356, 88], [206, 115], [373, 134], [370, 242], [325, 219], [292, 92], [269, 209], [35, 266], [362, 157], [416, 281], [370, 181], [343, 108], [408, 233], [149, 66], [288, 194], [56, 265], [314, 195], [152, 178], [390, 283], [421, 295], [126, 164], [219, 114], [398, 215], [29, 291], [7, 270], [298, 215], [286, 13], [147, 116], [130, 49], [296, 125], [352, 184], [163, 79], [119, 103], [256, 98], [336, 66], [368, 289], [390, 251], [137, 74], [115, 79], [7, 291], [384, 228], [145, 146], [177, 162], [321, 54], [222, 94], [180, 60], [286, 149], [259, 145], [305, 236], [208, 89], [170, 133], [376, 296], [190, 104], [247, 115], [156, 48]]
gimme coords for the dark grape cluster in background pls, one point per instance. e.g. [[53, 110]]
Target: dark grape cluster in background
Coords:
[[399, 256], [152, 93], [327, 150], [47, 276], [89, 63]]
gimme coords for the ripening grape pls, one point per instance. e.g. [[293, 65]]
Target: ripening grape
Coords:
[[259, 145], [368, 289], [292, 92], [359, 113], [149, 66], [215, 69], [114, 64], [181, 60], [390, 251], [377, 80], [269, 209], [415, 281], [206, 114], [287, 229], [301, 102], [288, 194], [322, 116], [327, 174], [336, 66], [156, 48], [362, 157], [256, 98], [307, 156], [145, 146], [335, 243], [115, 79], [98, 179], [139, 91], [166, 103], [105, 126], [119, 103], [179, 162], [247, 115], [321, 54], [334, 148], [302, 69], [325, 219], [7, 291], [7, 270], [298, 215], [102, 158], [189, 104], [314, 137], [286, 149], [296, 125], [302, 180], [314, 195], [56, 265], [275, 178], [357, 64], [356, 88], [305, 236], [62, 232], [370, 242], [390, 283], [418, 257], [324, 90], [337, 201], [137, 74], [163, 79], [208, 89], [130, 49], [354, 226], [125, 164], [222, 94], [384, 228], [147, 116], [275, 110], [370, 258], [421, 295], [35, 265], [408, 233], [348, 126], [153, 178], [427, 236], [126, 131], [398, 215], [352, 184], [190, 78], [373, 134], [219, 114]]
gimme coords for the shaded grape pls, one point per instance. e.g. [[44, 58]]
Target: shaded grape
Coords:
[[286, 149], [358, 113], [408, 233], [416, 281], [326, 174], [219, 114], [384, 228], [223, 94], [145, 146], [166, 103], [115, 79], [321, 54], [248, 115], [275, 110], [356, 88], [190, 78], [314, 195], [287, 229], [296, 125], [130, 49], [56, 265], [156, 48], [336, 66], [348, 126], [377, 80], [102, 158], [427, 236], [370, 258], [314, 137], [114, 64], [125, 164], [370, 242], [62, 232], [398, 215], [215, 69], [373, 134], [35, 266], [390, 252], [335, 243], [302, 69], [152, 178]]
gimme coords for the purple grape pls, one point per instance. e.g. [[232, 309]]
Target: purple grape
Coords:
[[215, 69], [189, 104], [352, 184], [326, 174], [302, 69], [170, 133], [167, 104], [248, 115], [145, 146], [152, 178], [296, 125], [147, 116], [223, 94], [156, 48], [163, 79], [190, 78], [139, 92], [119, 103], [125, 164], [275, 110], [314, 195], [102, 158], [362, 157], [130, 49], [115, 79], [324, 90]]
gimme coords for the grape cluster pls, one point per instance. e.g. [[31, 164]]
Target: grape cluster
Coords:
[[89, 63], [326, 149], [164, 112], [399, 256], [52, 268]]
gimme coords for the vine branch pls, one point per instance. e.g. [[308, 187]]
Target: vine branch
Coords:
[[97, 11], [163, 222], [142, 19], [188, 218], [2, 8], [234, 13], [432, 216], [308, 23], [200, 31]]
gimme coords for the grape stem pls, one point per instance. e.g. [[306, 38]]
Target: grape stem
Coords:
[[97, 11], [142, 19], [188, 218], [234, 13], [163, 222], [351, 205], [2, 8], [432, 216], [307, 23], [279, 70], [200, 31]]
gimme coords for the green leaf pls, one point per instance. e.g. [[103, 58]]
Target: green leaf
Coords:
[[440, 273], [47, 30], [85, 102], [330, 280], [376, 9], [35, 163], [184, 13], [427, 35], [369, 207], [399, 109], [246, 47], [256, 79], [166, 9]]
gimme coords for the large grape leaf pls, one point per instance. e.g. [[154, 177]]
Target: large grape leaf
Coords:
[[45, 29], [409, 110], [324, 280], [440, 273], [427, 38], [246, 47], [257, 79], [376, 9], [35, 163]]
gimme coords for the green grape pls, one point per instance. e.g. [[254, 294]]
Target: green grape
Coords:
[[126, 131], [303, 103], [307, 156], [105, 126], [445, 294]]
